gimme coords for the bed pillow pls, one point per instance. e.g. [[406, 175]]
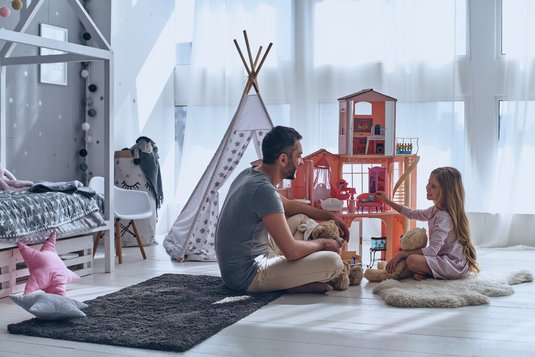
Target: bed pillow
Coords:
[[46, 306], [47, 271]]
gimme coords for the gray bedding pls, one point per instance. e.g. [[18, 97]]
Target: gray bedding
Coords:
[[33, 216]]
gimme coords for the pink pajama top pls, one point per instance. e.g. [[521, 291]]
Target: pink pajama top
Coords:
[[444, 254]]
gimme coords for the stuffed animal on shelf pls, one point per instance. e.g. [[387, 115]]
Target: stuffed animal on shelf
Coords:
[[414, 239], [352, 274], [8, 182]]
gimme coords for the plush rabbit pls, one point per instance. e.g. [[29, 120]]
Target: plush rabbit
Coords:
[[8, 182]]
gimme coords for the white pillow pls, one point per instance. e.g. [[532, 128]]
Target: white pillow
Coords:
[[47, 306]]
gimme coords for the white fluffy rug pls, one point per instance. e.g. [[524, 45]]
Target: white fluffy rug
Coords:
[[449, 293]]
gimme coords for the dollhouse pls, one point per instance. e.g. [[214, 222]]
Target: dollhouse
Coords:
[[368, 161]]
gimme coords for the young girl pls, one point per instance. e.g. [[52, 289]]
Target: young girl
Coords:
[[450, 253]]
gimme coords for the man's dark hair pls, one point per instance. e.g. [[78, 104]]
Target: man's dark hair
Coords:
[[279, 140]]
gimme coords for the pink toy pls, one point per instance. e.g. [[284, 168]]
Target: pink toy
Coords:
[[8, 182], [369, 201], [47, 271], [343, 192]]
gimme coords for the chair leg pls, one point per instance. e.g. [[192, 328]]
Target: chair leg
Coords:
[[118, 243], [97, 239], [138, 238]]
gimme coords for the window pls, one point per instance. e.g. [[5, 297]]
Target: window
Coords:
[[219, 23], [440, 129], [516, 150], [348, 33], [518, 28]]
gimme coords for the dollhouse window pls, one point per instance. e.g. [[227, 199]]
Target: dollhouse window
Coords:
[[356, 176], [363, 108]]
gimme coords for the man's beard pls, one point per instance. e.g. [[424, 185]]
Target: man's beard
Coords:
[[291, 175]]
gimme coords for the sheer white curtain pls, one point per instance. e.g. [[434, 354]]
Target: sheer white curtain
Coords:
[[511, 202], [217, 76]]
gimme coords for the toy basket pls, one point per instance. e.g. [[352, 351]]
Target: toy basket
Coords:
[[378, 243]]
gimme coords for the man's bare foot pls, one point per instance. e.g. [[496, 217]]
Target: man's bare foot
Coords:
[[311, 288]]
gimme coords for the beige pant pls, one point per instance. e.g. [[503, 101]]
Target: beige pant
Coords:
[[277, 273]]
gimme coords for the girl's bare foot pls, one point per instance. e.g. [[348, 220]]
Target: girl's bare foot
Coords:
[[419, 277], [311, 288]]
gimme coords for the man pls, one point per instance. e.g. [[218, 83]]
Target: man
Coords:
[[258, 249]]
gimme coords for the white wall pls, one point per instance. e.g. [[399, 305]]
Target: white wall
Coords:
[[143, 39]]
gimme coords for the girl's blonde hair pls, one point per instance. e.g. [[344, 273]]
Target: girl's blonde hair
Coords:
[[452, 199]]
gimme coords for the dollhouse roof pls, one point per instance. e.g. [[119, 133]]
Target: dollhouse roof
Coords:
[[319, 152], [369, 95]]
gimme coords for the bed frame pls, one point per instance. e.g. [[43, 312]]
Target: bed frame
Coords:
[[76, 252], [12, 270]]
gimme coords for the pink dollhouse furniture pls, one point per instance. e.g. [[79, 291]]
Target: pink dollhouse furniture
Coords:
[[369, 202]]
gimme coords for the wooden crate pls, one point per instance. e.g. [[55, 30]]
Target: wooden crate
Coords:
[[76, 252]]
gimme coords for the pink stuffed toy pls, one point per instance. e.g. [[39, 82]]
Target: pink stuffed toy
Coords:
[[47, 271], [8, 182]]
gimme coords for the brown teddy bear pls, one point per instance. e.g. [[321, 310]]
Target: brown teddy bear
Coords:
[[414, 239], [352, 274]]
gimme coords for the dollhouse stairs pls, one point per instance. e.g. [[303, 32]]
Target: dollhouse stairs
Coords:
[[399, 192]]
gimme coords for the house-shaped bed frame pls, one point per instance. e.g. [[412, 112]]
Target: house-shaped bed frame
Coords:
[[72, 53]]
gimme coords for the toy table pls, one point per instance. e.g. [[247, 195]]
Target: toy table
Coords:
[[393, 229]]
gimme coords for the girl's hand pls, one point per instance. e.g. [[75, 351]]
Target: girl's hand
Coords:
[[382, 195], [391, 265]]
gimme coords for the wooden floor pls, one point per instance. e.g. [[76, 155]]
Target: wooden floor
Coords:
[[349, 323]]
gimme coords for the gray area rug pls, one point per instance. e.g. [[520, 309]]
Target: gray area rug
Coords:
[[170, 313], [475, 290]]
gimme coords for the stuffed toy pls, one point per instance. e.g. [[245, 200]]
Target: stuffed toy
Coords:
[[47, 271], [8, 182], [414, 239], [327, 229], [352, 274]]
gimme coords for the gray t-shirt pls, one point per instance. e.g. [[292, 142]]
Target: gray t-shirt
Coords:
[[241, 237]]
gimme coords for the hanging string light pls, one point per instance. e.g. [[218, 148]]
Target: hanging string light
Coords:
[[4, 9]]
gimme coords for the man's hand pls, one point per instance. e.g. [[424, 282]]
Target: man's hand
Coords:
[[342, 228], [330, 245]]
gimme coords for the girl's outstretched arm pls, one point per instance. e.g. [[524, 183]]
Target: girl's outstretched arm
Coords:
[[389, 202]]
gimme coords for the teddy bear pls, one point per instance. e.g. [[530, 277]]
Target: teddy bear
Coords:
[[414, 239], [352, 274]]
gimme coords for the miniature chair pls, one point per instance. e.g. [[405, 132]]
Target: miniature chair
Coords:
[[378, 244], [129, 205]]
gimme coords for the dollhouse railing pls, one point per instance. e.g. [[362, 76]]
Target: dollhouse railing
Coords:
[[406, 146]]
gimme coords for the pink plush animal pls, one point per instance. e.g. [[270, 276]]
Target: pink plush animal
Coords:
[[8, 182]]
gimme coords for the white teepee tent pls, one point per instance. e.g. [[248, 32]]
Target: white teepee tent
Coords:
[[192, 235]]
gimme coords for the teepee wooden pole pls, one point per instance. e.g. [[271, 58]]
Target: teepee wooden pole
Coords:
[[257, 57], [264, 58], [242, 58], [249, 51], [252, 71]]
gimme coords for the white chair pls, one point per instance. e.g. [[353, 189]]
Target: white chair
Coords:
[[129, 205]]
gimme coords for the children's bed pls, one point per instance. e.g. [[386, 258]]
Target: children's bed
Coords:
[[75, 234], [31, 217]]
